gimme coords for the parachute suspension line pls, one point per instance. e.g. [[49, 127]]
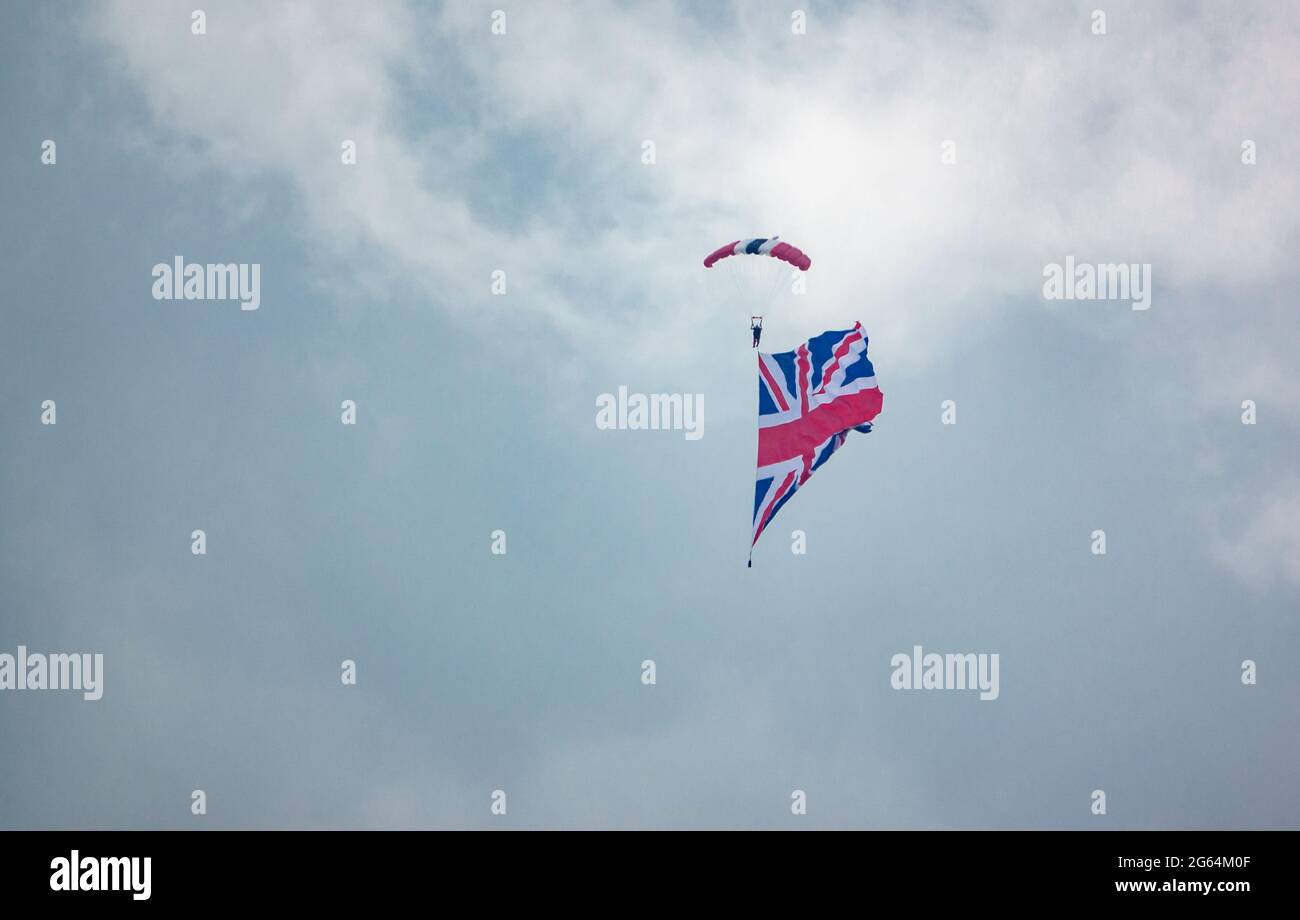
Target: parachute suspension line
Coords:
[[773, 285], [755, 274]]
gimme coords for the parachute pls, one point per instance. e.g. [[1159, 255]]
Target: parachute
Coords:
[[738, 278], [769, 247]]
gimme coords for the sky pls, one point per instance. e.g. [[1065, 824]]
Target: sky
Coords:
[[932, 159]]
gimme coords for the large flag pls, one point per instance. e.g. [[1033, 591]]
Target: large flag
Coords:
[[808, 400]]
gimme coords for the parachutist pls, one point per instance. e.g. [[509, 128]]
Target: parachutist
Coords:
[[756, 327]]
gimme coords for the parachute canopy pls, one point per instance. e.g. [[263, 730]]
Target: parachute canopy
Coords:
[[773, 247]]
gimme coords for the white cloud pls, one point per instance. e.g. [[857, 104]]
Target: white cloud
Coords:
[[1268, 546], [1116, 147], [1124, 147]]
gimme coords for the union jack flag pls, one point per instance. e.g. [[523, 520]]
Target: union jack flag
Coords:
[[808, 400]]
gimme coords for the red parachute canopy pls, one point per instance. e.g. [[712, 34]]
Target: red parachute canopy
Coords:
[[761, 247]]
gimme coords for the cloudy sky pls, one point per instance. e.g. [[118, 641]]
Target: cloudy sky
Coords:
[[523, 152]]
